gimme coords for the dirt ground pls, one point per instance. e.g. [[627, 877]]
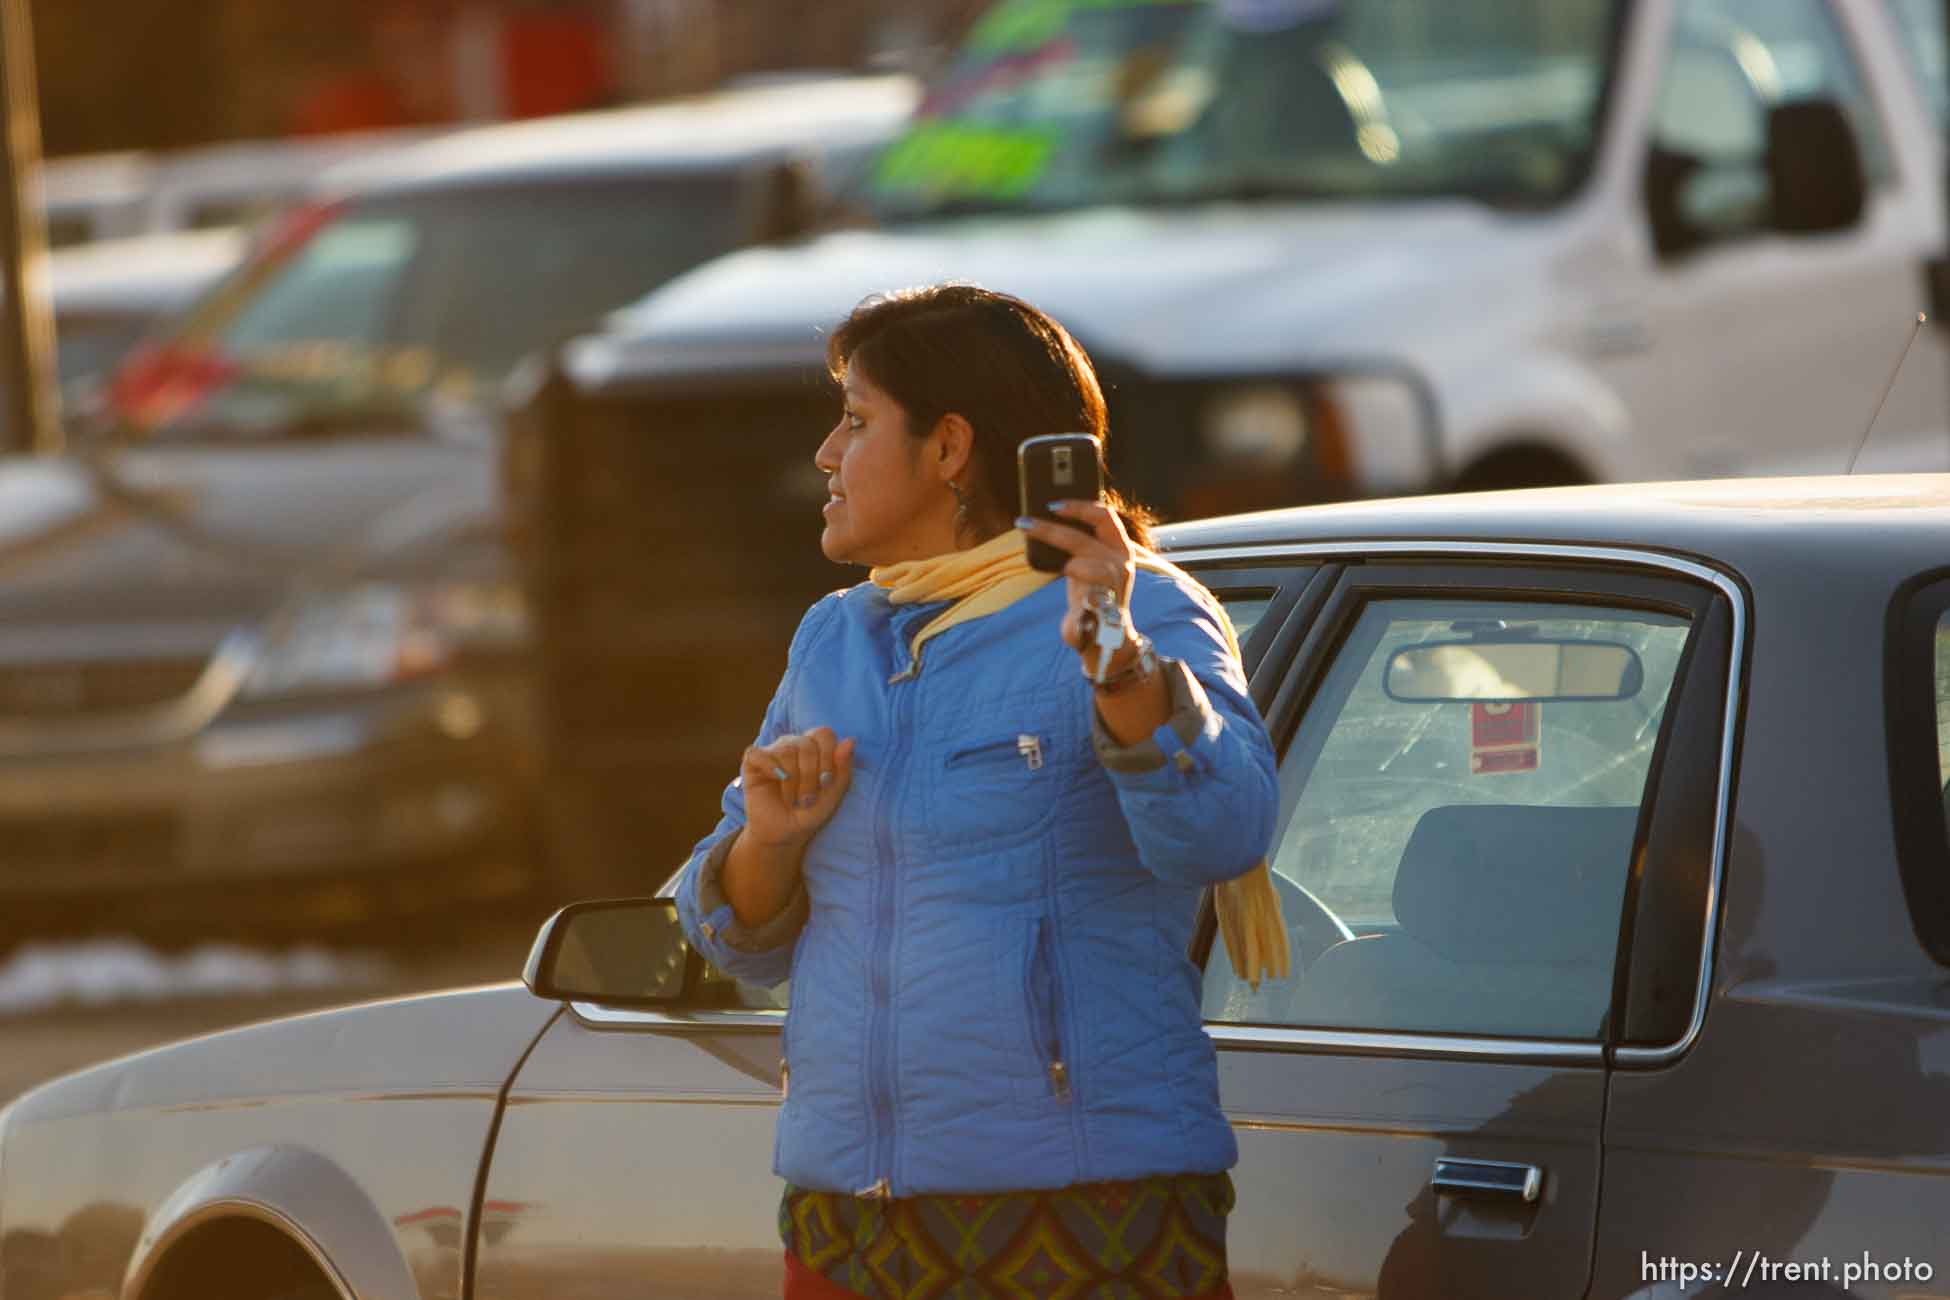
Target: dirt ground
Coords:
[[41, 1045]]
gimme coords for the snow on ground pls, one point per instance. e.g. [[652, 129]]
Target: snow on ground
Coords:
[[107, 971]]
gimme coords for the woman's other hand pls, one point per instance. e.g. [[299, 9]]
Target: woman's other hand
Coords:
[[794, 785], [1102, 558]]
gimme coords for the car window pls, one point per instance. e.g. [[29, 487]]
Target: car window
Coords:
[[1730, 62], [533, 266], [1058, 105], [67, 229], [1245, 608], [88, 346], [338, 289], [1454, 865], [1921, 24], [1942, 678]]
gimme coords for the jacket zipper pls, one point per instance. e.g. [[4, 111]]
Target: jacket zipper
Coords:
[[1028, 747], [1061, 1083], [880, 1159], [1045, 1014]]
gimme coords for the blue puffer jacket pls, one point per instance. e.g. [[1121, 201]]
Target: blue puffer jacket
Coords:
[[990, 990]]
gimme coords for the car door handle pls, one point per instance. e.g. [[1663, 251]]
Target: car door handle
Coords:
[[1498, 1179]]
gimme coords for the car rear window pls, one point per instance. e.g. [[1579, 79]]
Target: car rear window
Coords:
[[1940, 675], [1460, 806], [1918, 723]]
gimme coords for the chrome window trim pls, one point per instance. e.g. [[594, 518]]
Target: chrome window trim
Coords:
[[597, 1016], [1271, 1038], [1246, 1037], [1374, 1042]]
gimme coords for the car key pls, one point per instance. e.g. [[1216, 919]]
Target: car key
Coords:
[[1109, 630]]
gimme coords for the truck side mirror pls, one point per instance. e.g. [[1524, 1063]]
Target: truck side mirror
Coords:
[[1667, 174], [1814, 168]]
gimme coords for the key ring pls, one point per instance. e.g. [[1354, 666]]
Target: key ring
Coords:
[[1099, 599]]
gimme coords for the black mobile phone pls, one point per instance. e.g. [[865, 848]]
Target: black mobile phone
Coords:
[[1057, 467]]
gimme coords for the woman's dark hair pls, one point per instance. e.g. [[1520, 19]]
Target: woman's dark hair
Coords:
[[1007, 368]]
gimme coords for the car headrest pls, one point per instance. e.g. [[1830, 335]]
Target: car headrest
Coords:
[[1508, 883]]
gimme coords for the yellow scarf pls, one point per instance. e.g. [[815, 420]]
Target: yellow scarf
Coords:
[[994, 576]]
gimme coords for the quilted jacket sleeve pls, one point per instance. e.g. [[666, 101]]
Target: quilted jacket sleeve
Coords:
[[1201, 793], [761, 954]]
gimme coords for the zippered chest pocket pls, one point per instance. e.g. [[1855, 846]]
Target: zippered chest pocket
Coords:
[[997, 783]]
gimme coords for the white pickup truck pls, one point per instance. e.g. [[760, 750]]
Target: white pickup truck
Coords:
[[1326, 248]]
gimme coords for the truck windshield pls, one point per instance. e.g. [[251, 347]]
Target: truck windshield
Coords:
[[1066, 103]]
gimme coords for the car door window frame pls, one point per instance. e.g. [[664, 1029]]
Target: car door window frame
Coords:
[[1518, 569], [1916, 803]]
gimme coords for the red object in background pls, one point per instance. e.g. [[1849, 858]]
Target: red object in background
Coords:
[[1492, 726], [159, 384], [353, 101], [1497, 762], [553, 63], [1504, 737]]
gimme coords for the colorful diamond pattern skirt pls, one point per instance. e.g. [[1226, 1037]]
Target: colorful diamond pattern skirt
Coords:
[[1157, 1238]]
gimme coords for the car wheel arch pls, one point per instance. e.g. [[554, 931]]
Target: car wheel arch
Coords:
[[298, 1193], [233, 1239]]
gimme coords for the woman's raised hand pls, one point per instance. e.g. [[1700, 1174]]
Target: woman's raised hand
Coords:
[[1102, 558], [794, 785]]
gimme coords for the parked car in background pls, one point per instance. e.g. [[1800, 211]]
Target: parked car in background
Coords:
[[1614, 860], [261, 655], [409, 284], [1323, 250]]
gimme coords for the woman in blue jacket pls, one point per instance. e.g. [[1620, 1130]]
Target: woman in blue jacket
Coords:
[[979, 869]]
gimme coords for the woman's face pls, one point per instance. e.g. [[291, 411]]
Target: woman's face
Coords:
[[888, 500]]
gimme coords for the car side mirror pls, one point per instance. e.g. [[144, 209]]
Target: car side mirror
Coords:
[[792, 204], [1814, 168], [627, 952]]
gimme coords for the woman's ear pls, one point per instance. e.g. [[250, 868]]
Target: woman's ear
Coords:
[[954, 440]]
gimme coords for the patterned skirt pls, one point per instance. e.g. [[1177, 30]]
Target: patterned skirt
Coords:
[[1159, 1238]]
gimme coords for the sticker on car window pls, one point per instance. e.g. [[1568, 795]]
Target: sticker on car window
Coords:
[[957, 158], [1027, 24], [1505, 738], [1274, 15]]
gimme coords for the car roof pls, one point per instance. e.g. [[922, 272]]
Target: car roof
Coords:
[[707, 132], [1834, 524], [148, 273], [87, 179], [275, 167]]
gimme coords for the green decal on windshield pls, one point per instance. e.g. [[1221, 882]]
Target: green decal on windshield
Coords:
[[955, 158], [1031, 24]]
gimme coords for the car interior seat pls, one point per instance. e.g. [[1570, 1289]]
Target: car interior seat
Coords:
[[1507, 923]]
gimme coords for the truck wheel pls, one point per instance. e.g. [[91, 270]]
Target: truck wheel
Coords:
[[1521, 467]]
